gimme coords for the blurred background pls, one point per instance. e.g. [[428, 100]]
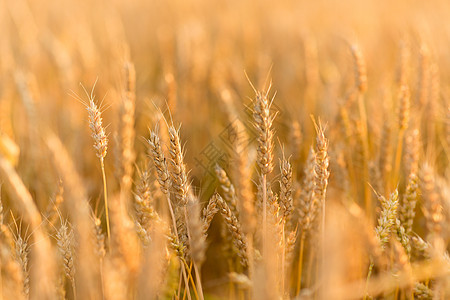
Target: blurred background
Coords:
[[193, 58]]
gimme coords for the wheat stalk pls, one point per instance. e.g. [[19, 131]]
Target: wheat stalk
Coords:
[[100, 143], [263, 120]]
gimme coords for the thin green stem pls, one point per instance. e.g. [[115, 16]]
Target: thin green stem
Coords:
[[179, 283], [106, 202], [189, 268], [300, 264], [74, 289], [183, 270], [197, 274], [199, 281], [367, 280], [231, 284], [283, 261], [264, 183], [311, 264]]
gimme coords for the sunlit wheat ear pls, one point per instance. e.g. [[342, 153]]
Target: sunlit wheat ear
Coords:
[[286, 200], [173, 183], [234, 227], [143, 199], [126, 127], [420, 249], [22, 254], [387, 218], [408, 205], [179, 186], [385, 153], [359, 67], [322, 173], [100, 246], [100, 142], [308, 208], [178, 175], [209, 212], [263, 120], [296, 138], [421, 291], [147, 218], [65, 241], [12, 279], [402, 236], [227, 188], [412, 151], [95, 122], [432, 206], [196, 233], [242, 176], [157, 154]]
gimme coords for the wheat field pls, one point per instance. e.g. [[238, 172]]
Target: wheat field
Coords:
[[170, 149]]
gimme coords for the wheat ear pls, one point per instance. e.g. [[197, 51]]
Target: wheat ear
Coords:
[[165, 183], [234, 227], [100, 145], [229, 193], [126, 127], [209, 212], [263, 120], [65, 242]]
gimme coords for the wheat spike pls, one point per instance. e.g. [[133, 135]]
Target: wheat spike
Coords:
[[195, 225], [65, 242], [126, 127], [432, 205], [159, 160], [286, 199], [387, 218], [178, 176], [359, 66], [407, 209], [308, 209], [229, 193], [234, 227], [263, 120], [209, 212]]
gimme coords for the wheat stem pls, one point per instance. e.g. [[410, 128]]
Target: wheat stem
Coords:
[[102, 164], [264, 184], [300, 264]]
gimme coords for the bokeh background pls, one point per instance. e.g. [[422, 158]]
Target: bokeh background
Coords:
[[193, 57]]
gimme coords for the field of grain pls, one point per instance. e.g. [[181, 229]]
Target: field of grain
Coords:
[[170, 149]]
